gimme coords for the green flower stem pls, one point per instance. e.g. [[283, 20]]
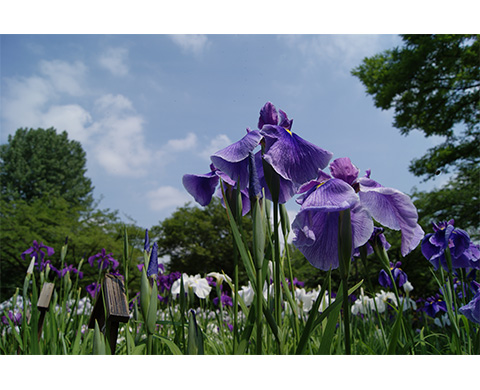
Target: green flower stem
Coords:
[[276, 278], [363, 256], [345, 256], [259, 308]]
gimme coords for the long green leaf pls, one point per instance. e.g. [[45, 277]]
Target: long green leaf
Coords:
[[98, 341], [329, 330], [311, 319], [170, 344]]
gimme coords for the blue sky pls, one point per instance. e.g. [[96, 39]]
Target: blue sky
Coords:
[[149, 108]]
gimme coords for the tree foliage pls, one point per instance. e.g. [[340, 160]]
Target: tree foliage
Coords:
[[433, 84], [36, 163], [45, 196], [198, 240]]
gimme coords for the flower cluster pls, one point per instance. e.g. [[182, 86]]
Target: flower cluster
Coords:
[[463, 252], [316, 225], [287, 165], [282, 153]]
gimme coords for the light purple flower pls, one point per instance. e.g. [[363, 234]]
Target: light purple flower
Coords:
[[316, 225]]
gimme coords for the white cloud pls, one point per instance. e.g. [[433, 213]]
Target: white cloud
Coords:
[[219, 142], [65, 77], [121, 148], [29, 101], [166, 197], [345, 51], [191, 43], [71, 118], [114, 60], [112, 105], [23, 101], [180, 145]]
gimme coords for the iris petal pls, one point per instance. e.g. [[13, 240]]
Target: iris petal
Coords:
[[396, 211], [201, 187], [316, 225], [342, 168], [288, 153], [233, 160], [268, 115]]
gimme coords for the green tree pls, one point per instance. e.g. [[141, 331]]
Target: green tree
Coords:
[[433, 84], [35, 163], [45, 196], [198, 240]]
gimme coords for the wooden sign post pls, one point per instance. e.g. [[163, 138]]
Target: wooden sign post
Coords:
[[43, 303], [110, 309]]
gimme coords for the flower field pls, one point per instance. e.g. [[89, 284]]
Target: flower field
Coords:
[[341, 220]]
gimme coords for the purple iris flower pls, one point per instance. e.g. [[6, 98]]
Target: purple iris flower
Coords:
[[316, 225], [165, 282], [378, 236], [292, 157], [103, 260], [37, 250], [93, 289], [146, 245], [472, 309], [398, 275], [234, 159], [203, 187], [67, 268], [433, 305], [16, 318], [153, 264], [225, 299], [463, 252]]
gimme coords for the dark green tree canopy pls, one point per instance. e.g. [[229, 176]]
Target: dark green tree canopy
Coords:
[[433, 84], [35, 163]]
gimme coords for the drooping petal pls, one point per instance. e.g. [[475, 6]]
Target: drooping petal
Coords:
[[316, 225], [233, 160], [268, 115], [342, 168], [362, 225], [460, 242], [291, 156], [201, 187], [395, 210], [316, 236]]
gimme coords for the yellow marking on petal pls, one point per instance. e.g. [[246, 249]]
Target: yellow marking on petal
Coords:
[[289, 131]]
